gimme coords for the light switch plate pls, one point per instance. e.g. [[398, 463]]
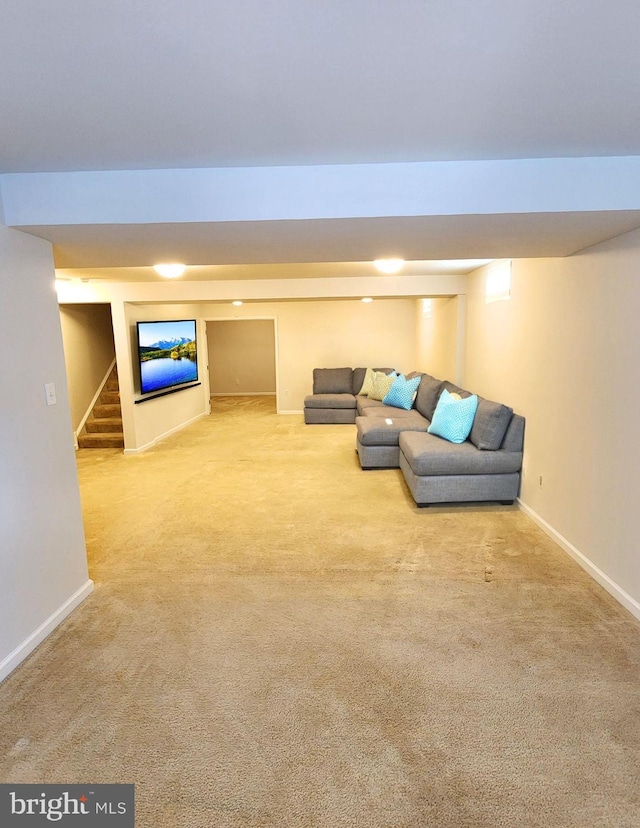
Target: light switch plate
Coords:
[[50, 393]]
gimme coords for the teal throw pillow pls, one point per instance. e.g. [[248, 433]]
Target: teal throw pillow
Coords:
[[453, 419], [402, 392]]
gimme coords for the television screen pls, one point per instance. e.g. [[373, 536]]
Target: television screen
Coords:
[[167, 353]]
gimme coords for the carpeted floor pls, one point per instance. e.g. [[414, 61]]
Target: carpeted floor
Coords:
[[278, 638]]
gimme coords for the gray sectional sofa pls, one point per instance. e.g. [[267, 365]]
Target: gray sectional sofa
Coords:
[[485, 467], [334, 395]]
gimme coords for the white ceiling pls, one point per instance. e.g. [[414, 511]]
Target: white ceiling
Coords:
[[205, 83], [198, 83]]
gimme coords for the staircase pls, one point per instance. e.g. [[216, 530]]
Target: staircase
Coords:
[[103, 429]]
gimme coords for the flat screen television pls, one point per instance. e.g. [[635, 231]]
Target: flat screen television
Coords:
[[167, 354]]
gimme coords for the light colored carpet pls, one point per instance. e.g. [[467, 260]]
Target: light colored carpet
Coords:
[[278, 638]]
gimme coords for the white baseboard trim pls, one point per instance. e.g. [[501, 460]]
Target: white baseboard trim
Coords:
[[242, 394], [165, 434], [293, 411], [623, 597], [9, 664]]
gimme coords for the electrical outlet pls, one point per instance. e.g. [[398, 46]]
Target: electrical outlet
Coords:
[[237, 381]]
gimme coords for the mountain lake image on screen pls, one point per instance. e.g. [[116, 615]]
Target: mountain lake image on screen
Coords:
[[167, 354]]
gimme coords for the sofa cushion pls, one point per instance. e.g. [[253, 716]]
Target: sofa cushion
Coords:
[[429, 455], [376, 431], [490, 424], [329, 416], [452, 388], [389, 411], [381, 385], [330, 401], [402, 392], [453, 418], [359, 376], [365, 403], [333, 380], [428, 393]]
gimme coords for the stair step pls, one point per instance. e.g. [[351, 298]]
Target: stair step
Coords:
[[109, 398], [112, 385], [113, 424], [103, 440], [109, 410]]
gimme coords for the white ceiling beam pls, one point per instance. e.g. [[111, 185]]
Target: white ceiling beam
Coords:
[[269, 290], [256, 194]]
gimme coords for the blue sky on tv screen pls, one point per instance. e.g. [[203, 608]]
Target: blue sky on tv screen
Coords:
[[152, 332]]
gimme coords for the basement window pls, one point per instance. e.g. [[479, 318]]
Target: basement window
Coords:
[[498, 283]]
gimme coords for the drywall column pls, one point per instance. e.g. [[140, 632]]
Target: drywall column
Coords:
[[43, 564], [122, 339], [461, 337], [439, 337], [156, 418]]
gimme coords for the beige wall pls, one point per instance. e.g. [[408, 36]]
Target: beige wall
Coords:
[[242, 356], [331, 334], [563, 351], [438, 338], [89, 350]]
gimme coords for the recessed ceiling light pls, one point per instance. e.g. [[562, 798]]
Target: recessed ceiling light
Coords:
[[237, 302], [389, 265], [170, 271], [367, 299]]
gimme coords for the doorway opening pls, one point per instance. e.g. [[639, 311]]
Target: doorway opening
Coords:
[[242, 358]]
